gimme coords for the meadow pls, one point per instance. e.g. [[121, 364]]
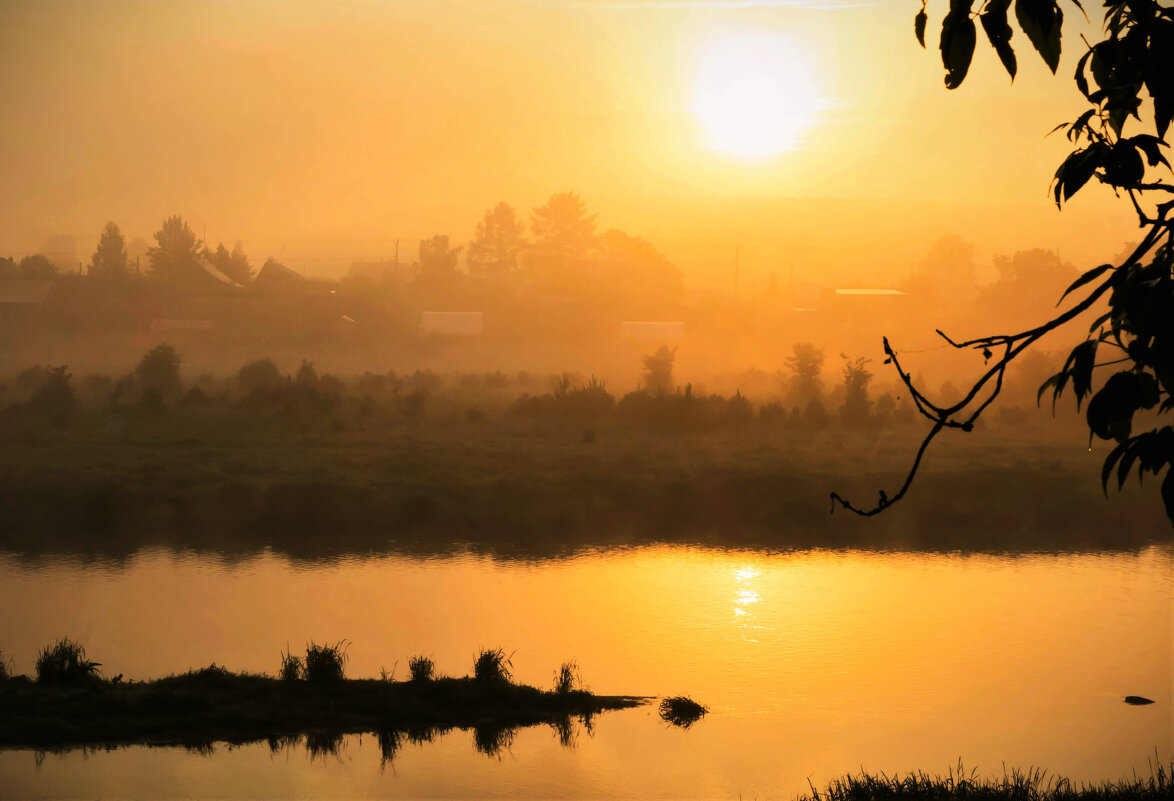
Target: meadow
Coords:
[[524, 466]]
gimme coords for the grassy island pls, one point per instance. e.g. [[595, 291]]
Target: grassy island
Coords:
[[70, 705]]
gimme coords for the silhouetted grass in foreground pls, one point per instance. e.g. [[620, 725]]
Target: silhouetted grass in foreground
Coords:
[[1029, 785], [215, 704]]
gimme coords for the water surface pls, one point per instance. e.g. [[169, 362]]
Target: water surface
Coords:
[[813, 663]]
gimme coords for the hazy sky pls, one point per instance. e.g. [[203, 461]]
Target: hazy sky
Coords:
[[330, 129]]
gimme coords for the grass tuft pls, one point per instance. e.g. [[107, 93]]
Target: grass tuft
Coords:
[[292, 667], [421, 668], [681, 711], [493, 665], [65, 662], [958, 783], [326, 663], [567, 678]]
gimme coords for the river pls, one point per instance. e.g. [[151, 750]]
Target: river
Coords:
[[813, 664]]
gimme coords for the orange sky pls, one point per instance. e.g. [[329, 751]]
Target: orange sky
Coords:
[[331, 129]]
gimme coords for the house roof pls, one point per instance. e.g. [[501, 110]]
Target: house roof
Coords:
[[214, 272]]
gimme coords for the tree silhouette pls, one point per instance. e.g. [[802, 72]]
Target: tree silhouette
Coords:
[[173, 258], [658, 370], [857, 406], [562, 227], [1134, 338], [437, 258], [109, 260], [158, 371], [500, 236], [235, 264], [37, 267]]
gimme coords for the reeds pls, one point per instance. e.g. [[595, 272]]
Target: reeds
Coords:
[[1028, 785], [292, 667], [567, 678], [326, 663], [493, 665], [421, 668], [681, 711], [65, 662]]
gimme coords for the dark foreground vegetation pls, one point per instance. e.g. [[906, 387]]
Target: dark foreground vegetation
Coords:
[[1031, 785], [70, 704]]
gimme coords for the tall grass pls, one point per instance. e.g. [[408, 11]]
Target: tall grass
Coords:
[[1029, 785], [64, 662], [421, 668], [292, 667], [4, 663], [493, 665], [326, 663]]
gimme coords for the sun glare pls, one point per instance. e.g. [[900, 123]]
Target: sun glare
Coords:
[[754, 95]]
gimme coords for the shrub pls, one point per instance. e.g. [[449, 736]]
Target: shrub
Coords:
[[567, 678], [413, 406], [152, 402], [54, 399], [65, 662], [326, 663], [658, 370], [259, 374], [158, 370], [681, 711], [194, 397], [4, 671], [421, 668], [292, 667], [307, 376], [493, 665]]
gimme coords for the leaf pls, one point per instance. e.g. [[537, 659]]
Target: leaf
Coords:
[[1168, 493], [1075, 172], [957, 44], [1080, 365], [998, 32], [1091, 275], [1127, 460], [1151, 146], [1041, 20], [1107, 467], [919, 25]]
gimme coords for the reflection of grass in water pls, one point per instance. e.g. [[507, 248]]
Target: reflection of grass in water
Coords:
[[321, 745], [1029, 785], [492, 739], [283, 742], [681, 711], [390, 742]]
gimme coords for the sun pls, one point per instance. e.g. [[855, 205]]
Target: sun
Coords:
[[754, 95]]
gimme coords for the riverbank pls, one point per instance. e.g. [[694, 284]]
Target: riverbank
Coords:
[[112, 487], [1023, 785]]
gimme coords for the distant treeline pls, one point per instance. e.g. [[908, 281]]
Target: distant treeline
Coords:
[[797, 396]]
